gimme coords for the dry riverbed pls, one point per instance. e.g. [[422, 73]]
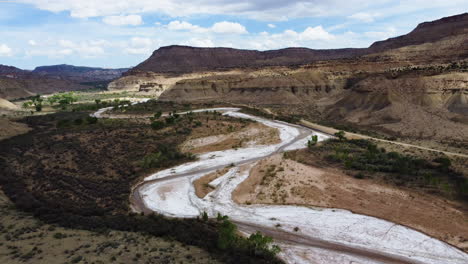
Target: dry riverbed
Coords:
[[277, 180]]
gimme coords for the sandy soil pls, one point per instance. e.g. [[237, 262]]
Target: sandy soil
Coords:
[[244, 136], [282, 181], [202, 186]]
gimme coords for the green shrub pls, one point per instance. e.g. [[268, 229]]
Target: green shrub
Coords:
[[157, 124], [91, 120]]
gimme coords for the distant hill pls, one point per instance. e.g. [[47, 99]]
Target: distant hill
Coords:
[[79, 74], [426, 32], [18, 83]]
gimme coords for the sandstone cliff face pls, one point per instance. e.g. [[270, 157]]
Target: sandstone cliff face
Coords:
[[183, 59], [426, 32], [155, 83], [278, 86]]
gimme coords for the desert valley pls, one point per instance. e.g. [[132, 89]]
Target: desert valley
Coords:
[[225, 155]]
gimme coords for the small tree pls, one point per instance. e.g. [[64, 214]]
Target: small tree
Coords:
[[157, 124], [227, 235], [91, 120], [158, 114], [340, 135], [205, 216], [444, 162], [312, 142]]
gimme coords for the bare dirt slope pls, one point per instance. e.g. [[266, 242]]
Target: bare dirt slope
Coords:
[[9, 128]]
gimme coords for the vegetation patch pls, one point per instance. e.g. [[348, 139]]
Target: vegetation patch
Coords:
[[80, 176], [364, 159]]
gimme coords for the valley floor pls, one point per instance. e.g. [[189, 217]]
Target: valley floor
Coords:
[[332, 235]]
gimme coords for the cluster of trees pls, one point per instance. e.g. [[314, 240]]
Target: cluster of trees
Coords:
[[60, 99], [90, 120], [36, 101], [163, 155], [171, 119], [255, 244]]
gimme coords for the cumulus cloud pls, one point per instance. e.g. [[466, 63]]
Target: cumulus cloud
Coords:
[[271, 25], [310, 33], [226, 27], [133, 20], [32, 42], [182, 25], [5, 50]]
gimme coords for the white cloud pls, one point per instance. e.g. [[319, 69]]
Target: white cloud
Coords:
[[273, 10], [84, 48], [223, 27], [5, 50], [226, 27], [182, 25], [315, 33], [133, 20], [310, 33], [381, 35], [51, 52], [32, 42], [198, 42], [365, 17], [141, 46], [271, 25]]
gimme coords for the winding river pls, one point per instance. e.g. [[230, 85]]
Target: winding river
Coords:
[[305, 234]]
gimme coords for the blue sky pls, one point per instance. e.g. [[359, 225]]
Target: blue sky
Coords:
[[121, 33]]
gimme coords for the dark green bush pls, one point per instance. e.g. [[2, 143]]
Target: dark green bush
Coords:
[[157, 124]]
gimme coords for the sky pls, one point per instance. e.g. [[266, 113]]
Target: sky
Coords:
[[122, 33]]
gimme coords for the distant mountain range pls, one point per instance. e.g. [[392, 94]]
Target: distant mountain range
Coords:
[[79, 74], [17, 83]]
